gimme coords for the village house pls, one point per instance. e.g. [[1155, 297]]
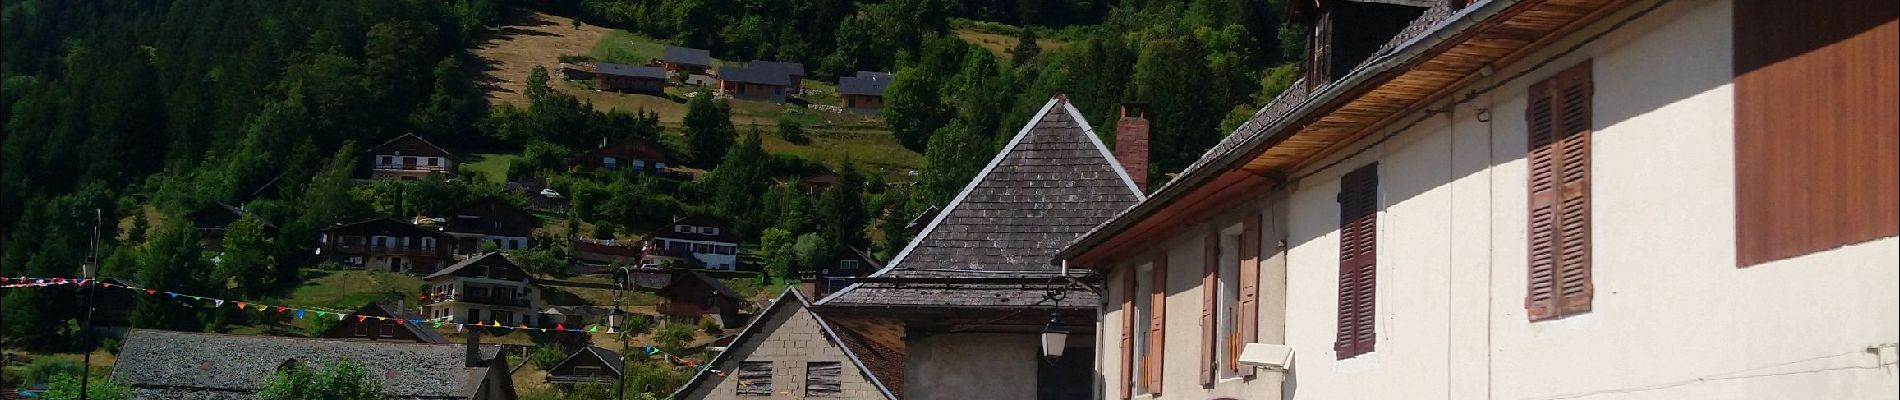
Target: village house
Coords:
[[692, 295], [818, 183], [626, 154], [409, 157], [852, 262], [790, 351], [211, 220], [685, 59], [606, 251], [486, 288], [699, 241], [864, 93], [490, 221], [589, 365], [188, 365], [964, 303], [383, 244], [794, 72], [630, 79], [754, 83], [576, 71], [1687, 199], [379, 322]]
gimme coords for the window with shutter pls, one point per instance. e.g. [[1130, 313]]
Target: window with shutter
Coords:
[[1130, 286], [1558, 116], [1157, 321], [1249, 271], [1358, 262], [822, 379], [1210, 342], [755, 378]]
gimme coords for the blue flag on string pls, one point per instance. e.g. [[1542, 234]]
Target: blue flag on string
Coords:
[[299, 313]]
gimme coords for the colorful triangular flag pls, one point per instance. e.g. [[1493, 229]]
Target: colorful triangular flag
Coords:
[[220, 303], [150, 292], [241, 306], [320, 313], [593, 328], [299, 313]]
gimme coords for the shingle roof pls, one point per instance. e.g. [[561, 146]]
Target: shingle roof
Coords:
[[630, 70], [687, 56], [182, 365], [717, 286], [425, 334], [781, 67], [725, 234], [762, 76], [1054, 181], [609, 357], [391, 146], [480, 259], [387, 227], [789, 301], [866, 83]]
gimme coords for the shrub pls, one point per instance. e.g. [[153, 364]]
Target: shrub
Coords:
[[708, 324], [547, 356], [44, 369], [66, 387]]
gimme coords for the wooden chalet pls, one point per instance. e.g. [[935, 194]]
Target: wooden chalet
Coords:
[[211, 220], [409, 157], [756, 83], [590, 365], [864, 93], [379, 322], [694, 294], [627, 154], [385, 244], [685, 59], [490, 220], [630, 79]]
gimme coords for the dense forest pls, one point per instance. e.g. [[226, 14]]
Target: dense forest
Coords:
[[146, 110]]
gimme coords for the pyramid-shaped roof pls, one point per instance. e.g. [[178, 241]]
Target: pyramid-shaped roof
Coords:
[[1054, 181]]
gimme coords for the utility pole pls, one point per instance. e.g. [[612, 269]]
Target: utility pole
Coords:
[[91, 270], [620, 290]]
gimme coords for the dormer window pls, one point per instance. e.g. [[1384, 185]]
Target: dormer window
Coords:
[[707, 230], [847, 265], [1342, 34], [683, 229]]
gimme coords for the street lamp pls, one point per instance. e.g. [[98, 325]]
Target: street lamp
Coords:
[[1055, 337], [90, 271]]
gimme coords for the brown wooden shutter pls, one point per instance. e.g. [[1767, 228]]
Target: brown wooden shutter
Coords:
[[1558, 115], [1817, 159], [1358, 219], [1157, 322], [1128, 332], [1248, 323], [1210, 292]]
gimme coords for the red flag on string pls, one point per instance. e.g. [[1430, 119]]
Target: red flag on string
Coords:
[[150, 292]]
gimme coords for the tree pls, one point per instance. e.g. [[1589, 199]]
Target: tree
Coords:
[[538, 88], [547, 356], [173, 261], [673, 338], [1026, 47], [842, 211], [247, 259], [708, 126], [809, 251], [790, 129], [66, 387], [775, 249], [955, 156], [913, 107], [338, 380]]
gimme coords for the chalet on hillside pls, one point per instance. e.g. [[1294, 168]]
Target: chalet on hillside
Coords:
[[576, 71], [819, 182], [686, 59], [849, 263], [592, 364], [630, 79], [630, 154], [213, 219], [189, 365], [384, 244], [754, 84], [693, 295], [485, 288], [794, 72], [409, 157], [700, 241], [490, 220], [864, 93], [792, 348], [379, 322]]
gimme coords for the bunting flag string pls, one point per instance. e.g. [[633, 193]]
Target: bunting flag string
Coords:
[[299, 312]]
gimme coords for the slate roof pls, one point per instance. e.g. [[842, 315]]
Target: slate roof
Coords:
[[406, 145], [750, 74], [687, 56], [381, 226], [725, 234], [787, 302], [477, 259], [186, 365], [233, 211], [717, 286], [630, 70], [1054, 181], [867, 83], [424, 334], [779, 67], [609, 357]]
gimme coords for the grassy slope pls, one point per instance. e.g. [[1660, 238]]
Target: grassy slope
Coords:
[[622, 47], [351, 289], [495, 166], [1002, 44]]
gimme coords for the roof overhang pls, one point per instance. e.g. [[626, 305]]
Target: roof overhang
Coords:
[[1416, 75]]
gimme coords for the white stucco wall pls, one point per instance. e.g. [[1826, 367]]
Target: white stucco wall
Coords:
[[1672, 318], [971, 366]]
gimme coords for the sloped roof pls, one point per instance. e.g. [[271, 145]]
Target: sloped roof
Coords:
[[725, 234], [1054, 181], [718, 287], [424, 334], [409, 145], [187, 365], [788, 301], [779, 67], [867, 83], [750, 74], [609, 357], [233, 211], [480, 259], [687, 56], [630, 70], [386, 227]]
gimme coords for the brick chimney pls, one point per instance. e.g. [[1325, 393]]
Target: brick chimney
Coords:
[[1131, 142], [808, 285]]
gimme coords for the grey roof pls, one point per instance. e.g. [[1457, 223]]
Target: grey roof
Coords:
[[762, 76], [781, 67], [630, 70], [186, 365], [790, 300], [718, 286], [687, 56], [471, 261], [609, 357], [866, 83], [1054, 181], [425, 334]]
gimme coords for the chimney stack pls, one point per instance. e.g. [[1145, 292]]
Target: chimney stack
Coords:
[[808, 285], [1131, 142], [474, 347]]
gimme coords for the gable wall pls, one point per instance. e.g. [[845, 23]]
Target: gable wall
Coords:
[[789, 338]]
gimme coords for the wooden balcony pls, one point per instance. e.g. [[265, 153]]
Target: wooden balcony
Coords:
[[385, 250]]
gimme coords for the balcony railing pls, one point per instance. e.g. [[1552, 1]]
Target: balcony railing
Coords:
[[382, 250], [493, 300]]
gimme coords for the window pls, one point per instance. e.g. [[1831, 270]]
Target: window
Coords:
[[384, 160], [1146, 296], [435, 161], [1558, 115], [1815, 159], [682, 229], [1358, 262], [587, 370], [1227, 280], [409, 161], [428, 243], [639, 165], [360, 330], [386, 330], [847, 265], [609, 162], [501, 316], [659, 166], [707, 230], [822, 379], [755, 378]]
